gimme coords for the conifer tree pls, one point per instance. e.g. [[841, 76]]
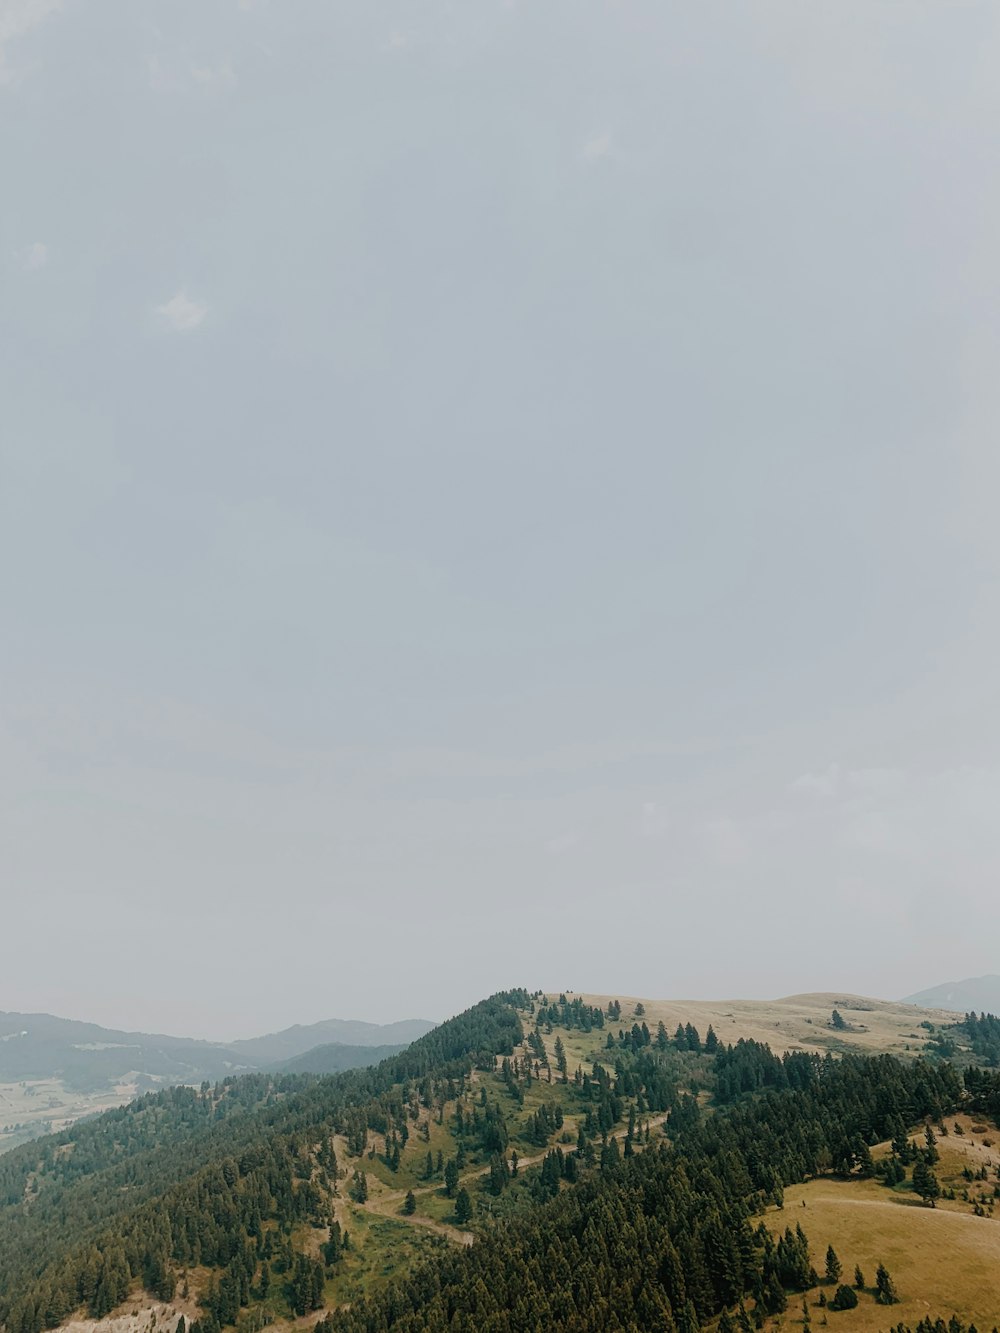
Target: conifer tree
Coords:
[[885, 1288], [451, 1177], [834, 1267]]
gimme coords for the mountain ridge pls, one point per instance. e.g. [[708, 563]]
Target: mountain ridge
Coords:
[[973, 994]]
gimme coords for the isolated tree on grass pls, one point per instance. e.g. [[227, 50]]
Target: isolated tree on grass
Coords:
[[834, 1268], [463, 1207], [925, 1182], [845, 1299], [859, 1278], [885, 1288]]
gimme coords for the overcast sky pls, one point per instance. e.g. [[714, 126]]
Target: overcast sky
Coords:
[[495, 494]]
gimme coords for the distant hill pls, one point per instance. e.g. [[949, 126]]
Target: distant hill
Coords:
[[975, 994], [55, 1070], [334, 1057], [87, 1057], [297, 1040]]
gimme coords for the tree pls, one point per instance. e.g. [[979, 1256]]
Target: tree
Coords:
[[561, 1058], [885, 1288], [711, 1041], [360, 1187], [845, 1299], [859, 1278], [837, 1021], [834, 1268], [410, 1203], [463, 1207], [925, 1182], [931, 1154], [451, 1178]]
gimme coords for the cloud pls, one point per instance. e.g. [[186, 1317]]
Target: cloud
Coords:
[[18, 17], [34, 257], [598, 147], [181, 314], [174, 72], [220, 79]]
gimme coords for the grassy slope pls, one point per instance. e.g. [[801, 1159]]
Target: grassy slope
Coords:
[[944, 1260], [795, 1023]]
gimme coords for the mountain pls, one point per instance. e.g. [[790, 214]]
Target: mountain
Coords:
[[53, 1071], [87, 1057], [334, 1056], [297, 1040], [974, 995], [567, 1164]]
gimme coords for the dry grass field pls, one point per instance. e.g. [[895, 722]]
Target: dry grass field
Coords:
[[794, 1023], [944, 1260]]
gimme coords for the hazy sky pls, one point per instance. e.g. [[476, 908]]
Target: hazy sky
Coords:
[[494, 494]]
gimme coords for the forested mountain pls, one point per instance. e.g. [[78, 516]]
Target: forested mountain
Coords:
[[614, 1176]]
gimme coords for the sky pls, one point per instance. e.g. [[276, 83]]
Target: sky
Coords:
[[492, 495]]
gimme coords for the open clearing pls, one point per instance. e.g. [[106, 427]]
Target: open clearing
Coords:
[[795, 1023], [942, 1262]]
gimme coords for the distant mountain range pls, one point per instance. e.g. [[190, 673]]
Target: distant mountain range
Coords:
[[297, 1040], [86, 1057], [974, 995]]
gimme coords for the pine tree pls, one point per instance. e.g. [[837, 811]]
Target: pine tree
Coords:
[[859, 1278], [410, 1203], [561, 1058], [833, 1265], [451, 1177], [845, 1299], [885, 1288], [463, 1207]]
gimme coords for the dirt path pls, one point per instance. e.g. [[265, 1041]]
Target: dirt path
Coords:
[[389, 1202]]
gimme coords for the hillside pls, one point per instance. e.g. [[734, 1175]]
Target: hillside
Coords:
[[334, 1058], [973, 995], [531, 1135]]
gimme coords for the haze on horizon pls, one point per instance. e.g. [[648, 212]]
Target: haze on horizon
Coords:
[[495, 494]]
